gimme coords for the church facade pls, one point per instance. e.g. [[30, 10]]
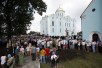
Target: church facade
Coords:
[[57, 24], [91, 21]]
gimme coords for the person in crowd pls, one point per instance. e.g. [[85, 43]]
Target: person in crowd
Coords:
[[48, 43], [67, 39], [76, 44], [54, 58], [83, 45], [16, 60], [39, 44], [42, 55], [30, 49], [22, 49], [33, 53], [70, 44], [43, 43], [17, 49], [47, 50], [25, 46], [56, 43], [3, 61], [100, 47], [94, 46], [25, 43], [37, 53], [51, 44], [35, 42], [27, 50], [59, 44], [73, 45], [66, 44], [21, 56], [88, 44], [9, 56], [79, 43]]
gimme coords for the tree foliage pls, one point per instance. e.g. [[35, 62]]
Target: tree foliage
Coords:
[[16, 15], [32, 32]]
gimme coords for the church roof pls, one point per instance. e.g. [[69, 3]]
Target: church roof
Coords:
[[86, 8]]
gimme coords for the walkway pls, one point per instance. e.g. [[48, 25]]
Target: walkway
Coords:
[[30, 64]]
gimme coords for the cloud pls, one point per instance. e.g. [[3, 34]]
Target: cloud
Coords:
[[73, 8]]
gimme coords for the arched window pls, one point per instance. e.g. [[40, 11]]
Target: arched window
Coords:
[[60, 30], [52, 29], [69, 24], [60, 23], [52, 23]]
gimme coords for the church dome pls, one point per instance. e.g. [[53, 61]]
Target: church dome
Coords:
[[59, 9]]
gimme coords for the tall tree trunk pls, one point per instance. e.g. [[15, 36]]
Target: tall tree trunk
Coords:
[[0, 32], [9, 26]]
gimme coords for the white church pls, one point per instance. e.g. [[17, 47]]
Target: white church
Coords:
[[92, 21], [57, 24]]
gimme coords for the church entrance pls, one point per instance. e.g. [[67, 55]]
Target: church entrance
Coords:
[[95, 37]]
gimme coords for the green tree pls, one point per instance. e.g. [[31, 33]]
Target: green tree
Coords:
[[32, 32], [17, 14]]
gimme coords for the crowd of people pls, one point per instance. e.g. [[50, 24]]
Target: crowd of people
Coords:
[[41, 48]]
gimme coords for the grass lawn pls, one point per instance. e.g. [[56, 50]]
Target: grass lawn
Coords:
[[77, 59]]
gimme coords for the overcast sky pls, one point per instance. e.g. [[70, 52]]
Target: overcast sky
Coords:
[[73, 8]]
